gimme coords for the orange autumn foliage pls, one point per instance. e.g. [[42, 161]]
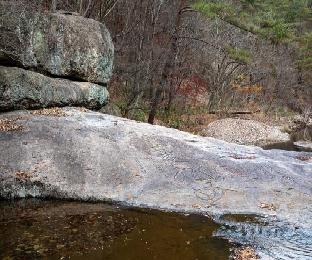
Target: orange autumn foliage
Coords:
[[249, 89]]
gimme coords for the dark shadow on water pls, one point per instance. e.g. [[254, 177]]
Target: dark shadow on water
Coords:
[[288, 146]]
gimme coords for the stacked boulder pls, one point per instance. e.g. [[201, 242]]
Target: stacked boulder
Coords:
[[52, 59]]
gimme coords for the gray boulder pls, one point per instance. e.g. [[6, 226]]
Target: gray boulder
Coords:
[[89, 155], [24, 89], [64, 45], [247, 132]]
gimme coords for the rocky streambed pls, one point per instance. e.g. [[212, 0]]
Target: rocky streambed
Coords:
[[84, 155], [239, 194]]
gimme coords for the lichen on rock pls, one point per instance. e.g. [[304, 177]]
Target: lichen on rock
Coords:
[[24, 89], [55, 43]]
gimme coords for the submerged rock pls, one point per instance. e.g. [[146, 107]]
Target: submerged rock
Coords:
[[89, 155], [60, 44], [24, 89], [247, 132]]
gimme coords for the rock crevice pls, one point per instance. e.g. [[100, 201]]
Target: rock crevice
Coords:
[[24, 89]]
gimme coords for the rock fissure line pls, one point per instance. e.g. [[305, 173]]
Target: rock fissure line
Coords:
[[47, 74]]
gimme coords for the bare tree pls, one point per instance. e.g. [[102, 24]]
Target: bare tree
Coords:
[[54, 4], [159, 45]]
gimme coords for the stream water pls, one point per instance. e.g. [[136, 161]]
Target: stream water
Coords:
[[36, 229]]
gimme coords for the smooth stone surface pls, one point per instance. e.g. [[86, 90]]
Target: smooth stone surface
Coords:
[[60, 44], [89, 155], [24, 89]]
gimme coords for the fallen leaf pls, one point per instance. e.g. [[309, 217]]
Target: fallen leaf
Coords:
[[196, 206], [54, 111], [267, 206]]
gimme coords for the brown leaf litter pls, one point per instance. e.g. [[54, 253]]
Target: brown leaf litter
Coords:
[[82, 109], [7, 125], [268, 206], [22, 175], [54, 111], [304, 158], [245, 253]]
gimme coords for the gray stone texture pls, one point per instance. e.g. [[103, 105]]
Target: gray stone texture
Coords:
[[24, 89], [89, 155], [60, 44]]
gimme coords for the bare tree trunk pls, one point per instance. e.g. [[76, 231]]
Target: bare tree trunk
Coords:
[[80, 7], [154, 106], [53, 6], [169, 103], [169, 65]]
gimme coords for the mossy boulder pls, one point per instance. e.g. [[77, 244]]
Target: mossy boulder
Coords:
[[60, 44], [24, 89]]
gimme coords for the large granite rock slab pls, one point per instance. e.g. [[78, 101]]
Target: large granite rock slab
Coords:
[[89, 155], [64, 45], [24, 89]]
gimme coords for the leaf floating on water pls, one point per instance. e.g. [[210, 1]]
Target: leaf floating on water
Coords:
[[60, 246], [36, 247]]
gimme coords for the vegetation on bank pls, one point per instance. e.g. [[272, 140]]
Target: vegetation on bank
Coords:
[[277, 20], [226, 72], [179, 62]]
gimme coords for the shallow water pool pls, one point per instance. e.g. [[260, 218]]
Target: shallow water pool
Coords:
[[37, 229], [33, 229]]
